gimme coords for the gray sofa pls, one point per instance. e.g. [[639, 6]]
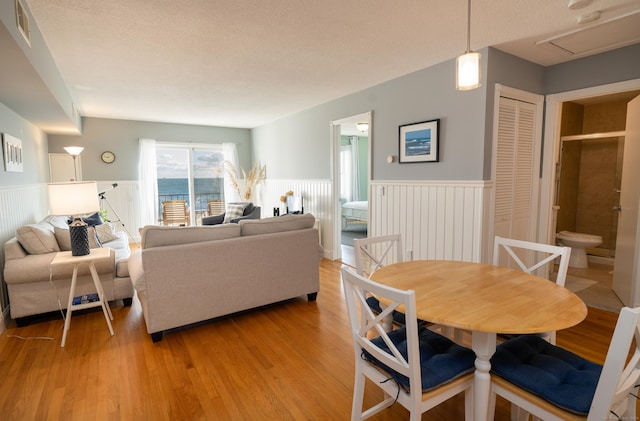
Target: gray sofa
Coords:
[[250, 212], [34, 288], [184, 275]]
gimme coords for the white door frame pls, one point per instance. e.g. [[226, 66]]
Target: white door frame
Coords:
[[336, 214], [550, 157]]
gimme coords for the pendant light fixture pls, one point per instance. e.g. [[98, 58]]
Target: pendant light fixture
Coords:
[[468, 64]]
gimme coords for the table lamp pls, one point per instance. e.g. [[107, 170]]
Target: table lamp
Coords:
[[75, 199]]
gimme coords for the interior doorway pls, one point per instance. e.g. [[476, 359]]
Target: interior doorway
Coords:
[[351, 145], [584, 127]]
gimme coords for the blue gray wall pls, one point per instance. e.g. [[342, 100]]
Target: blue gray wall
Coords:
[[465, 123], [34, 149], [121, 137], [602, 69], [298, 146]]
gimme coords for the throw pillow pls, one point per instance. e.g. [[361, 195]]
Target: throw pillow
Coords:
[[91, 220], [64, 239], [37, 238], [106, 232], [233, 212]]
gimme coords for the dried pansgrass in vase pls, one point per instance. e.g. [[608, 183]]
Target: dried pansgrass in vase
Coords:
[[256, 176]]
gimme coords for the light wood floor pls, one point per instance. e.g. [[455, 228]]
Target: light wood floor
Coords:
[[291, 361]]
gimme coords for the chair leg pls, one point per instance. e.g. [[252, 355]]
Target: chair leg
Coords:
[[358, 396], [468, 405]]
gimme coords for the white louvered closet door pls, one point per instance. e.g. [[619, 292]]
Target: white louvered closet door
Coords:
[[516, 166]]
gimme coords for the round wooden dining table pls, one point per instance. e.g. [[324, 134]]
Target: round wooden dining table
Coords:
[[485, 300]]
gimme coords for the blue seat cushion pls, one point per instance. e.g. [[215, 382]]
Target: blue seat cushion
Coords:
[[441, 359], [552, 373]]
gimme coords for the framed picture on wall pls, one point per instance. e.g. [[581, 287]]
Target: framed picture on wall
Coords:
[[419, 142], [12, 151]]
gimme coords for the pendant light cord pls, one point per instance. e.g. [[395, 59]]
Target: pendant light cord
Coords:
[[468, 26]]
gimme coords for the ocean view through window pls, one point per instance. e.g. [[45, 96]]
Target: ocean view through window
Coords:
[[188, 173]]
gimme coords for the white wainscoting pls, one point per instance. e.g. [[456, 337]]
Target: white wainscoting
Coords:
[[122, 204], [316, 195], [437, 219]]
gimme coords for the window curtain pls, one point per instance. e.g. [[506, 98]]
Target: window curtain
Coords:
[[230, 152], [346, 173], [355, 168], [148, 177]]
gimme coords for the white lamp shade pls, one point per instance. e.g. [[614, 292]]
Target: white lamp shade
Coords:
[[73, 150], [66, 199], [468, 71]]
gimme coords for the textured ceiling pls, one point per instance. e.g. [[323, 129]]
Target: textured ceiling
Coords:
[[244, 63]]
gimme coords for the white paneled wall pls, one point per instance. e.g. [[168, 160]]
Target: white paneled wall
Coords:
[[315, 193], [437, 220], [122, 204]]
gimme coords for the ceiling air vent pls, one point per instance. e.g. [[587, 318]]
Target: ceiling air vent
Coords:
[[22, 18], [603, 36]]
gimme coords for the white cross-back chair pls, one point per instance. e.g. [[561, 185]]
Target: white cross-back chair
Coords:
[[404, 378], [530, 257], [372, 253], [616, 387]]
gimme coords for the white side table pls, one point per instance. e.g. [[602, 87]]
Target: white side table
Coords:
[[65, 258]]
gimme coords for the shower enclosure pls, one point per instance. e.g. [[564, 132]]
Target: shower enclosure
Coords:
[[588, 187]]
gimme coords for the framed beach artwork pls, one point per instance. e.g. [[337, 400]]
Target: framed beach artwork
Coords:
[[419, 141]]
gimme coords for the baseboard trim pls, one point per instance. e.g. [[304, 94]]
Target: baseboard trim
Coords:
[[601, 260], [3, 317]]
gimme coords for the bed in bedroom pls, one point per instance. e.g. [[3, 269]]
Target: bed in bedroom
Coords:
[[353, 212]]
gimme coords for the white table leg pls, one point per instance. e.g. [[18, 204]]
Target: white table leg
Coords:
[[72, 293], [484, 345], [105, 306]]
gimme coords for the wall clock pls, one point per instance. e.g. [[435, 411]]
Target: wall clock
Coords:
[[108, 157]]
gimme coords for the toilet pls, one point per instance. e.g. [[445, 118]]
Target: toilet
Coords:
[[579, 243]]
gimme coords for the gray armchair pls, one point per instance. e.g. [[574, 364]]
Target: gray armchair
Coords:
[[250, 212]]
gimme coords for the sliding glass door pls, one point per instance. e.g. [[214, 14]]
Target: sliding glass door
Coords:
[[190, 173]]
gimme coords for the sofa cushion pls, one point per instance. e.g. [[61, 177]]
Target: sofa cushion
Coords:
[[37, 238], [276, 224], [232, 212], [64, 239], [106, 232], [157, 236]]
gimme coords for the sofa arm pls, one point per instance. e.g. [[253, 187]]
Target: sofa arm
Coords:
[[213, 220], [13, 250]]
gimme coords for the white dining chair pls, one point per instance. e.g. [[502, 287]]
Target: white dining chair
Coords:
[[554, 384], [531, 258], [372, 253], [414, 366]]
